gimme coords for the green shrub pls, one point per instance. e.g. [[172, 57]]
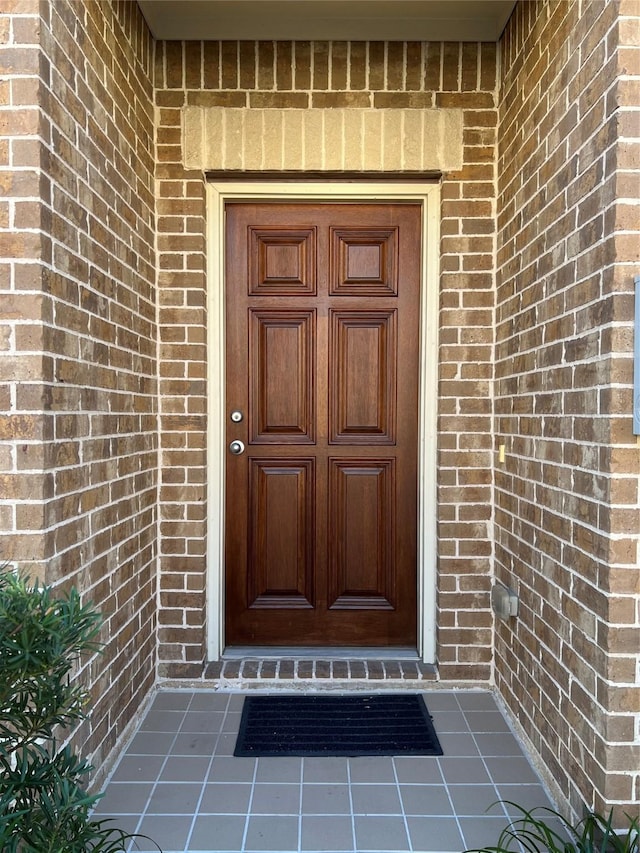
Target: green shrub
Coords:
[[44, 807], [544, 830]]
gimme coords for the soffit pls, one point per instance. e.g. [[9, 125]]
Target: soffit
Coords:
[[344, 20]]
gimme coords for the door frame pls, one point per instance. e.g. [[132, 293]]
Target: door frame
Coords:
[[428, 196]]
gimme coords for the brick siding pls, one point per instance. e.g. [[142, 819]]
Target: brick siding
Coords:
[[567, 515], [321, 75], [78, 422]]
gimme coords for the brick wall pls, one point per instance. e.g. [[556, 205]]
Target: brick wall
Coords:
[[332, 75], [567, 515], [79, 393]]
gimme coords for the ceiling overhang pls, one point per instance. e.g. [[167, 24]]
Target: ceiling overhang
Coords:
[[327, 20]]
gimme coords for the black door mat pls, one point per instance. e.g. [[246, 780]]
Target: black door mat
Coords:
[[336, 725]]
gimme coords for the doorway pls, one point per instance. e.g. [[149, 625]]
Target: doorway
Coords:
[[327, 532]]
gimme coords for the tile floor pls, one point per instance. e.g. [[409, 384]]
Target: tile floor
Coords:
[[179, 783]]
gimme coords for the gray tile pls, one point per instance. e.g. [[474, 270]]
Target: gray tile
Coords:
[[150, 743], [486, 721], [202, 721], [230, 798], [449, 721], [185, 768], [380, 833], [172, 700], [458, 744], [435, 834], [475, 800], [276, 799], [441, 701], [124, 798], [376, 800], [272, 833], [460, 770], [321, 834], [279, 769], [526, 796], [174, 798], [138, 768], [127, 823], [226, 744], [477, 700], [194, 744], [371, 768], [425, 800], [231, 724], [326, 799], [511, 770], [498, 744], [162, 721], [169, 831], [217, 832], [325, 770], [226, 768], [418, 769], [210, 701], [481, 832]]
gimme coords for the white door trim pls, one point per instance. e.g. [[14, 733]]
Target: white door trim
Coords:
[[428, 195]]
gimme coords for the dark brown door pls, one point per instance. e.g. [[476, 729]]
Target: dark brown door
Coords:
[[322, 327]]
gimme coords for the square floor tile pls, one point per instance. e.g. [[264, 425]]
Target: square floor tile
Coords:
[[418, 769], [511, 770], [441, 701], [150, 743], [326, 799], [206, 700], [172, 700], [321, 834], [204, 722], [170, 832], [425, 800], [194, 744], [217, 832], [276, 799], [475, 800], [174, 798], [185, 768], [226, 768], [435, 834], [138, 768], [487, 721], [476, 700], [282, 769], [380, 833], [377, 769], [124, 798], [458, 743], [482, 832], [162, 721], [325, 770], [527, 796], [375, 800], [501, 743], [272, 833], [231, 798], [461, 770], [449, 721]]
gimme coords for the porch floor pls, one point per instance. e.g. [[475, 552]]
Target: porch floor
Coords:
[[179, 783]]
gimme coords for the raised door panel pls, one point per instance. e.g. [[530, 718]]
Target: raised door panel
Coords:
[[362, 377], [282, 366], [364, 262], [362, 534], [280, 559], [282, 262]]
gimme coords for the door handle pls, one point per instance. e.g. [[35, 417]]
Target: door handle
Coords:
[[236, 447], [236, 417]]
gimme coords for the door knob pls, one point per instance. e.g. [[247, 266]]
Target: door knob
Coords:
[[236, 417], [236, 447]]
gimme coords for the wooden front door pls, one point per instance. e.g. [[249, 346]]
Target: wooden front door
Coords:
[[322, 367]]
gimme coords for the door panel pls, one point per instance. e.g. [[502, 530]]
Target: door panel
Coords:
[[282, 376], [322, 359]]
